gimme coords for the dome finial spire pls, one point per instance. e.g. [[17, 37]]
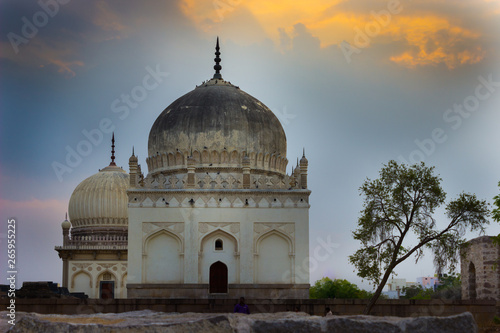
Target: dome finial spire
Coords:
[[217, 60], [113, 151]]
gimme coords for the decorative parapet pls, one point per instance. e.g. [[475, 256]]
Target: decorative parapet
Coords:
[[222, 180], [174, 161], [98, 240], [91, 247]]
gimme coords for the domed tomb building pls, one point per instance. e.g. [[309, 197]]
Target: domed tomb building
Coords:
[[94, 250], [217, 214]]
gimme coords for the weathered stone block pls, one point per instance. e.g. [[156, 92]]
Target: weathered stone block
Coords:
[[153, 322]]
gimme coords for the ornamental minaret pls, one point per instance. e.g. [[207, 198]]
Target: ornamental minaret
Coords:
[[303, 170], [133, 167]]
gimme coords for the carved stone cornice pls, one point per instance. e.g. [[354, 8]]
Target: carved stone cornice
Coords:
[[224, 198]]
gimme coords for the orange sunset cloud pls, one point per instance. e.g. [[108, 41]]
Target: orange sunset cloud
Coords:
[[428, 37]]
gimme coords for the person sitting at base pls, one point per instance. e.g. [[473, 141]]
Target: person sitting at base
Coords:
[[241, 307], [328, 312]]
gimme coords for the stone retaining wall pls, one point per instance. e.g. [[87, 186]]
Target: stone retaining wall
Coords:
[[482, 310]]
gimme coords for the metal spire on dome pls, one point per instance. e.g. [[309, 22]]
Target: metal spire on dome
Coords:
[[217, 60], [113, 151]]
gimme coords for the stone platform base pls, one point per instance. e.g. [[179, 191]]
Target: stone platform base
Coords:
[[235, 291], [158, 322]]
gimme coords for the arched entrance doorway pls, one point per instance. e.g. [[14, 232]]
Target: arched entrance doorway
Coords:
[[218, 278], [107, 290], [472, 281]]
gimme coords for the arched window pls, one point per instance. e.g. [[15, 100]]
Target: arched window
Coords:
[[218, 245], [472, 281]]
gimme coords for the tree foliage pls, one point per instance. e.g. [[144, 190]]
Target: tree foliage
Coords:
[[402, 202], [450, 287], [496, 211], [417, 292], [338, 288], [496, 214]]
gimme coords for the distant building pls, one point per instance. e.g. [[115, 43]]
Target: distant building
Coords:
[[396, 288], [94, 250], [428, 282]]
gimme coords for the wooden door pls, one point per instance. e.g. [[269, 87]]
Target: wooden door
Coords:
[[107, 289], [218, 278]]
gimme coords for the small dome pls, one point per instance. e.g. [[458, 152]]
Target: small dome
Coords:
[[304, 160], [66, 224], [99, 203]]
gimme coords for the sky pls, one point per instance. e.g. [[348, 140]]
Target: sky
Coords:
[[355, 83]]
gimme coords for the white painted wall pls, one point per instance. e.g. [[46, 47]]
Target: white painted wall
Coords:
[[82, 283], [194, 267], [273, 260], [162, 260]]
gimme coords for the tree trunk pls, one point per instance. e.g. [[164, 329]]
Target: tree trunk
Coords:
[[375, 296]]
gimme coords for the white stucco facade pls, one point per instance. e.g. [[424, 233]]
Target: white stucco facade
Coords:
[[262, 242], [86, 276], [216, 215]]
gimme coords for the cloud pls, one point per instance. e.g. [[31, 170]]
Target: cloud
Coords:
[[433, 41], [431, 33], [66, 35], [33, 207], [43, 53], [107, 19]]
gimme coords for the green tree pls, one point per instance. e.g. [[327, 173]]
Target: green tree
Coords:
[[417, 292], [450, 280], [412, 291], [449, 288], [338, 288], [496, 215], [402, 202], [496, 211]]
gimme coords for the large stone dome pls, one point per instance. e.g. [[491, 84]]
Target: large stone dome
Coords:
[[215, 117], [98, 204], [217, 127]]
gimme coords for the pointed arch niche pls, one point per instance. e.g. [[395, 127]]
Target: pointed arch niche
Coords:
[[274, 258], [471, 286], [163, 258], [210, 253], [82, 282]]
